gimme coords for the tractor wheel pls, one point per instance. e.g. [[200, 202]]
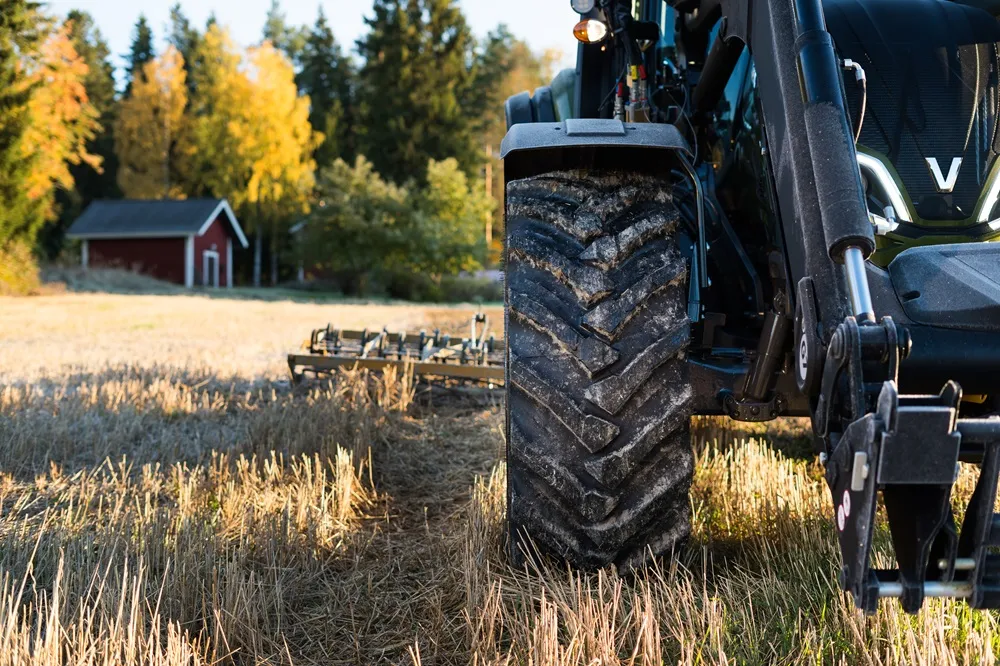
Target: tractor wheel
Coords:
[[599, 458]]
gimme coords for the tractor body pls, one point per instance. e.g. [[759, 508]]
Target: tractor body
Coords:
[[758, 208]]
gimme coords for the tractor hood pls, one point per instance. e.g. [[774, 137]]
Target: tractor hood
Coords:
[[933, 102]]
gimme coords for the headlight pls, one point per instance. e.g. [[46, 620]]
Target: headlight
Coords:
[[583, 6], [990, 204], [878, 184]]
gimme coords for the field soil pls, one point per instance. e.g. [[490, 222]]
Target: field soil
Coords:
[[168, 497]]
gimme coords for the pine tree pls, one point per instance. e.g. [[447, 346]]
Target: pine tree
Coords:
[[418, 57], [20, 216], [185, 38], [287, 39], [327, 77], [142, 52], [505, 66]]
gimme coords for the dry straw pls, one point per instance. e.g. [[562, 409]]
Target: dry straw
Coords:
[[167, 512]]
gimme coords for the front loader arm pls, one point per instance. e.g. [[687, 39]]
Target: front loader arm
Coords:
[[874, 441]]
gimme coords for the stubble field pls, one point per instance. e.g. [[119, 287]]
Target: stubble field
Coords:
[[167, 497]]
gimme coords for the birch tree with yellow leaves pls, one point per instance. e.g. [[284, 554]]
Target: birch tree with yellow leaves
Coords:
[[150, 136], [250, 139], [281, 144]]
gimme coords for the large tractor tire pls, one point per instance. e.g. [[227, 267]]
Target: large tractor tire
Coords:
[[599, 458]]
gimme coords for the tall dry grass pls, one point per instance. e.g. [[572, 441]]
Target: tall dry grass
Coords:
[[157, 507]]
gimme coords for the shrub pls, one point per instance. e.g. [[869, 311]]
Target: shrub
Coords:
[[18, 270], [449, 289]]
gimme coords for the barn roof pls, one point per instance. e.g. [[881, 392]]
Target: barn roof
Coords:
[[128, 218]]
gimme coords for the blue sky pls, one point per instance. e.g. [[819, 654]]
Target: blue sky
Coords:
[[542, 23]]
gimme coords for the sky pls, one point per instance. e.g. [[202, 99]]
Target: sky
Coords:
[[543, 24]]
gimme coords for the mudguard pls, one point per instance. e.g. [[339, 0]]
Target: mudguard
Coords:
[[535, 148], [591, 132]]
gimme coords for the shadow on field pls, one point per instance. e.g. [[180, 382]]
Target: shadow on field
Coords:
[[345, 523], [319, 524]]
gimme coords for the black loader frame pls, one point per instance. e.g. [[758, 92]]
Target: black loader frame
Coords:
[[833, 343]]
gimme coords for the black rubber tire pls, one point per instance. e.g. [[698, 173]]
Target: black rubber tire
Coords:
[[599, 458]]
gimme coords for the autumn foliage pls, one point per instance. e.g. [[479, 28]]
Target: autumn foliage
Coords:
[[151, 128], [381, 154], [62, 118]]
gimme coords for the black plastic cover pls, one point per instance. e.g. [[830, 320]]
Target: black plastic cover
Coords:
[[518, 109], [950, 286], [544, 107]]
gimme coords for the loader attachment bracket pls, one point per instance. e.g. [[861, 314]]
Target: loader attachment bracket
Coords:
[[906, 448]]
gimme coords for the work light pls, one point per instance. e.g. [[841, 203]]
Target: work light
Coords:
[[590, 31]]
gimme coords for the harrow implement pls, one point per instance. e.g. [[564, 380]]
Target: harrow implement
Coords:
[[478, 359]]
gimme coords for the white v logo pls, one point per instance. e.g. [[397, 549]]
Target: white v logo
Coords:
[[944, 185]]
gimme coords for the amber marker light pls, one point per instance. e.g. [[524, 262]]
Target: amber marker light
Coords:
[[590, 31]]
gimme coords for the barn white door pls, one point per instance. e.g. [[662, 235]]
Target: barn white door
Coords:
[[210, 268]]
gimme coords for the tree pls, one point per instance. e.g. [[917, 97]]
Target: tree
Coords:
[[90, 183], [283, 169], [184, 37], [251, 141], [418, 60], [366, 228], [141, 54], [361, 224], [150, 135], [327, 77], [62, 120], [20, 216], [505, 66], [450, 215], [287, 39]]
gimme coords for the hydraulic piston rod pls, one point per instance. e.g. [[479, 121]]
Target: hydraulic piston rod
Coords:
[[857, 284]]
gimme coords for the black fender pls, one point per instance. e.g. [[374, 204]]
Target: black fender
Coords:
[[534, 148]]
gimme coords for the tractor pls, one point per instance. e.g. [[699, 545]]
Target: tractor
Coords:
[[755, 209]]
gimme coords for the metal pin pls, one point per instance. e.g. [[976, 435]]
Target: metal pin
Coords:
[[958, 590], [961, 564]]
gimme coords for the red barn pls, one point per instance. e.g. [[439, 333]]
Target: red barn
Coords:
[[187, 242]]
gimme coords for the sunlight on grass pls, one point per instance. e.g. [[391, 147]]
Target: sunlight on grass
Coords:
[[156, 509]]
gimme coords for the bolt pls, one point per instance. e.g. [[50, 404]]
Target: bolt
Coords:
[[755, 410], [837, 344], [822, 458]]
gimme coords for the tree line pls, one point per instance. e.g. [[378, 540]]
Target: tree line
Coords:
[[367, 163]]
